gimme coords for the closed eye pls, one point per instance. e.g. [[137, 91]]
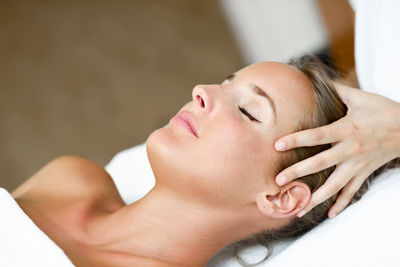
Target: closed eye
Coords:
[[251, 118]]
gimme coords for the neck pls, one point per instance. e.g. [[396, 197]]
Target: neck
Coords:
[[163, 227]]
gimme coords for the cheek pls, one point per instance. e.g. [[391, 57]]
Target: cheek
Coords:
[[233, 152], [237, 141]]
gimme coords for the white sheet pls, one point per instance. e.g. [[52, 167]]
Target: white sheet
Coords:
[[22, 243], [131, 172]]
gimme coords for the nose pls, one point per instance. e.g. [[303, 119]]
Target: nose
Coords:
[[203, 97]]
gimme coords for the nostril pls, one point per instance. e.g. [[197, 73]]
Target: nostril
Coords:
[[200, 100]]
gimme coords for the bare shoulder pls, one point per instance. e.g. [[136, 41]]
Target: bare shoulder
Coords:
[[67, 176]]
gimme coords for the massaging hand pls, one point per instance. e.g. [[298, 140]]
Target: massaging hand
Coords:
[[362, 141]]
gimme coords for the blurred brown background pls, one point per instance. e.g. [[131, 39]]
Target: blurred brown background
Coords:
[[91, 78]]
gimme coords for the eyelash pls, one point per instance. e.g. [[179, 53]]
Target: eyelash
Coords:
[[243, 110], [251, 118]]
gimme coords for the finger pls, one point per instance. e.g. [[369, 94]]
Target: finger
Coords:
[[330, 133], [347, 195], [339, 177], [316, 163]]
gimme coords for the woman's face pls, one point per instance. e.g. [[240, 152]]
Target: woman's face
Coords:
[[219, 148]]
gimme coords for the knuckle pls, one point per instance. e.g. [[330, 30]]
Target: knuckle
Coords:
[[341, 204], [362, 148], [346, 196], [354, 148], [357, 148], [291, 174], [319, 163], [292, 141], [318, 135], [313, 203], [352, 128], [318, 197], [335, 187]]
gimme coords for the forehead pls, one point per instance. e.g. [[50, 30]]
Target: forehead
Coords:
[[289, 88]]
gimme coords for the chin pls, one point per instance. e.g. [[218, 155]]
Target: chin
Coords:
[[169, 144], [162, 148], [180, 165], [170, 158], [155, 143]]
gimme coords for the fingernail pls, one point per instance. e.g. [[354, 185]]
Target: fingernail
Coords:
[[280, 146], [332, 215], [281, 179], [301, 213]]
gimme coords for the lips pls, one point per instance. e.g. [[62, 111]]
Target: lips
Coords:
[[184, 119]]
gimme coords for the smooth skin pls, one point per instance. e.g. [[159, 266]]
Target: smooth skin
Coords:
[[362, 141]]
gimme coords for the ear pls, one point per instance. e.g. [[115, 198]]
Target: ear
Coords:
[[287, 202]]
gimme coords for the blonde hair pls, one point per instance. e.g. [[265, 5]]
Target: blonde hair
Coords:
[[327, 108]]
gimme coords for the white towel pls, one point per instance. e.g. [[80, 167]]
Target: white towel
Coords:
[[132, 173], [22, 243]]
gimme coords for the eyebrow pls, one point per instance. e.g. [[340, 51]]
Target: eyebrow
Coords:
[[230, 77], [256, 89]]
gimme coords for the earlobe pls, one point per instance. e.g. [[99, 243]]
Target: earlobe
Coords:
[[286, 202]]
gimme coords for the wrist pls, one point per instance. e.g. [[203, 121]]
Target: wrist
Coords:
[[349, 79], [391, 116], [398, 145], [397, 130]]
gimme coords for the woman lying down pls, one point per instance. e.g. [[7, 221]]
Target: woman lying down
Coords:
[[214, 165]]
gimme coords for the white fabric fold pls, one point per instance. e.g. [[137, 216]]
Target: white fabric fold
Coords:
[[22, 243], [132, 173]]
